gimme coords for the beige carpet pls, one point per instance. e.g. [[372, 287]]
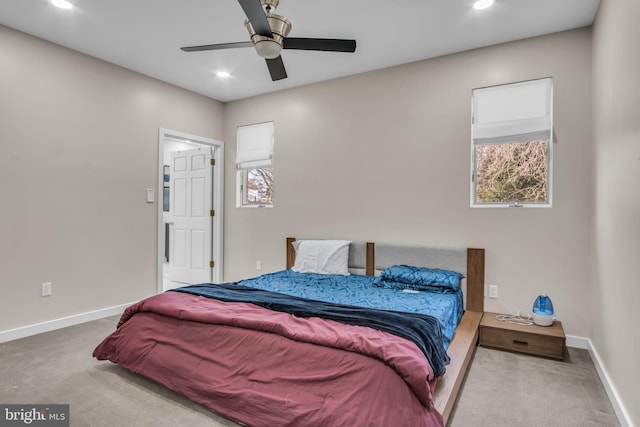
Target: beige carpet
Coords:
[[516, 390], [501, 389]]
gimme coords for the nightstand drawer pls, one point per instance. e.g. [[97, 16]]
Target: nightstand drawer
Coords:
[[522, 342]]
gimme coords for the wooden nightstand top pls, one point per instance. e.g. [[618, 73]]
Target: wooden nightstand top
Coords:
[[555, 330]]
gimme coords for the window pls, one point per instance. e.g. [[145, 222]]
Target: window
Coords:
[[512, 144], [254, 165], [257, 187]]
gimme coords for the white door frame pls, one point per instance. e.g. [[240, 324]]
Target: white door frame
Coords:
[[218, 199]]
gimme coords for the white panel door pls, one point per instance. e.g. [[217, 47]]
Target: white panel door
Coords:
[[190, 208]]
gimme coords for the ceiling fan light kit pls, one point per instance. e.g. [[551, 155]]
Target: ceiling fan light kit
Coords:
[[268, 32]]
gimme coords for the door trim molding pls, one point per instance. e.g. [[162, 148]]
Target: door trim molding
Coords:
[[218, 200]]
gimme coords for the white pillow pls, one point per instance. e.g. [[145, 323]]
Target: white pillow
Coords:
[[322, 256]]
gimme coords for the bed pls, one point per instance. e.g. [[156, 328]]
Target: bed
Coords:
[[265, 358]]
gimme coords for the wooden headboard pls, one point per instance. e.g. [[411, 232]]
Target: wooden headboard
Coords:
[[446, 258]]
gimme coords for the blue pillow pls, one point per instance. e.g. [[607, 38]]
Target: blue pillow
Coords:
[[418, 278]]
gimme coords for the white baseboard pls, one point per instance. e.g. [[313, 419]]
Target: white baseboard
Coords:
[[614, 397], [577, 342], [38, 328]]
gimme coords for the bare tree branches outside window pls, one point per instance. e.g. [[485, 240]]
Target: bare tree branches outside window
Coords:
[[259, 187], [512, 173]]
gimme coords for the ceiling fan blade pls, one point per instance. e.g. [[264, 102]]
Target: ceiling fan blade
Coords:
[[276, 68], [257, 17], [327, 45], [216, 46]]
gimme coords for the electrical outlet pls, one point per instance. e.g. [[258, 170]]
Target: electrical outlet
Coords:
[[258, 265], [493, 291], [46, 289]]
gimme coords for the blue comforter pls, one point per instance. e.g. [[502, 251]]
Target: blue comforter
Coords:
[[358, 290], [423, 330]]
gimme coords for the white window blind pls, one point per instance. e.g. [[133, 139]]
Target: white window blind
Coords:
[[515, 112], [255, 146]]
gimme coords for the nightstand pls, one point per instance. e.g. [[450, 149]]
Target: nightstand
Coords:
[[545, 341]]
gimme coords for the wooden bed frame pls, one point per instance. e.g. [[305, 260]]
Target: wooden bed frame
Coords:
[[462, 347]]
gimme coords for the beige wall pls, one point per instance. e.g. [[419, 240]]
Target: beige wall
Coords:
[[616, 220], [385, 156], [79, 142], [381, 156]]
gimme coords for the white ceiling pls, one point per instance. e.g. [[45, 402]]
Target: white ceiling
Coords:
[[146, 35]]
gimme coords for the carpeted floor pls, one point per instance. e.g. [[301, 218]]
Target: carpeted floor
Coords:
[[516, 390], [501, 389]]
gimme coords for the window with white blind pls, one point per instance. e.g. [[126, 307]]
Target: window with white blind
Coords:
[[254, 165], [511, 149]]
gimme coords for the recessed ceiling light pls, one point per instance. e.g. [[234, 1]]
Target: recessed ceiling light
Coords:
[[62, 4], [483, 4], [223, 74]]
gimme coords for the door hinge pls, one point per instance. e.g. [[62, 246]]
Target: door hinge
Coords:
[[212, 212], [213, 162], [211, 264]]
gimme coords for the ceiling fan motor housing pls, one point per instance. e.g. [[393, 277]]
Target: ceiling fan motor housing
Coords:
[[270, 47]]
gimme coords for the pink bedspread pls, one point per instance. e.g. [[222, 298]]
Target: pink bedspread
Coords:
[[266, 368]]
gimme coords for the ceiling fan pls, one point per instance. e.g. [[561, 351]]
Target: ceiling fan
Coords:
[[268, 32]]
